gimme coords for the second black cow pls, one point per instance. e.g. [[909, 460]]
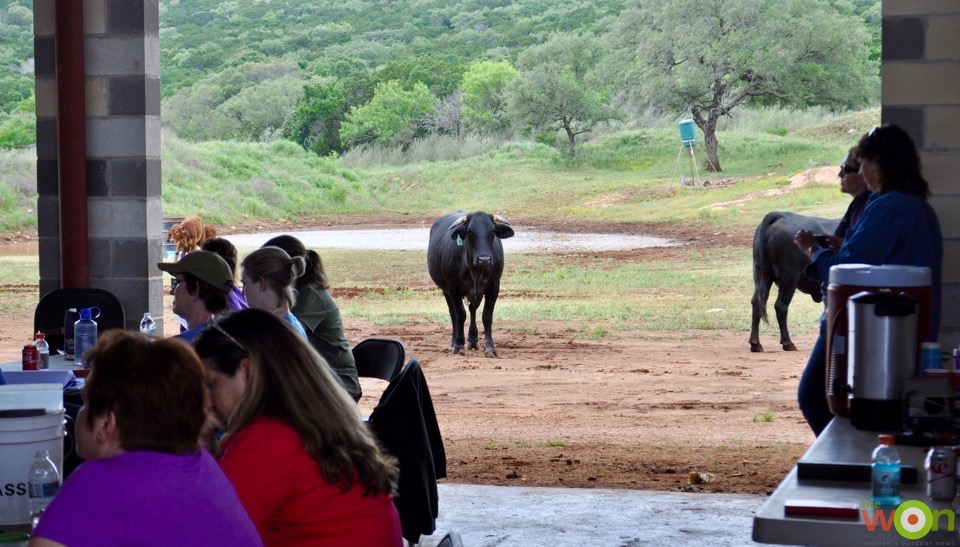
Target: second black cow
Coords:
[[465, 259], [776, 259]]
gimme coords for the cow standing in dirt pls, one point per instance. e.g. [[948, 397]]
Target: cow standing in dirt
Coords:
[[465, 260], [776, 259]]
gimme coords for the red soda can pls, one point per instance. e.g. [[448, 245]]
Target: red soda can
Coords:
[[31, 357], [941, 467]]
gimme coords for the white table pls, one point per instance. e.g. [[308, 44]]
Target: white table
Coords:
[[57, 362], [842, 443]]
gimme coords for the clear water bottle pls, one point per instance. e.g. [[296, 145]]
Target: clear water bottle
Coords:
[[147, 325], [43, 348], [43, 482], [85, 335], [886, 473]]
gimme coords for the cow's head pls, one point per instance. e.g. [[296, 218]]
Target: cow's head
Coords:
[[175, 233], [476, 232]]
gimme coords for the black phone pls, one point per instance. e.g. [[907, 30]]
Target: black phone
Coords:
[[822, 241]]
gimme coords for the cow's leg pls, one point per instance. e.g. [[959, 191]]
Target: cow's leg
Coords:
[[758, 303], [489, 301], [457, 317], [473, 338], [784, 296]]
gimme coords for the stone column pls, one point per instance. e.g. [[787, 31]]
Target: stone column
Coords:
[[921, 93], [122, 98]]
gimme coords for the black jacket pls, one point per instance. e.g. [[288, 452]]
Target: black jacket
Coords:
[[406, 425]]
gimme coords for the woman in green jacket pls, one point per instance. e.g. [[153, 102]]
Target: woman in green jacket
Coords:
[[319, 314]]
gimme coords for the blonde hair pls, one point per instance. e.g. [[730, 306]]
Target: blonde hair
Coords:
[[278, 269], [289, 381]]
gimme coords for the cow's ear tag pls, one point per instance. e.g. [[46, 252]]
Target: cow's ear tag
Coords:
[[459, 241]]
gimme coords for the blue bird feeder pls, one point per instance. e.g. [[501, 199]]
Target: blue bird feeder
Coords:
[[688, 133]]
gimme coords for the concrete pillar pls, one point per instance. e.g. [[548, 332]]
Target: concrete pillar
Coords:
[[921, 93], [122, 98]]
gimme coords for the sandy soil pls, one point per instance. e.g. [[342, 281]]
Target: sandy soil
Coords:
[[633, 410]]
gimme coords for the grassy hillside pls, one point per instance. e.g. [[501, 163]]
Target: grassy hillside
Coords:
[[627, 177]]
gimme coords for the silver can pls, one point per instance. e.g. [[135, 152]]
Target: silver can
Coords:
[[941, 467]]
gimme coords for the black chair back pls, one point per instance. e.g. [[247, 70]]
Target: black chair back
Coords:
[[49, 315], [379, 358]]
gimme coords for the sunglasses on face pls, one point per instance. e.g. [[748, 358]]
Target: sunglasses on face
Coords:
[[214, 324], [849, 169], [174, 283]]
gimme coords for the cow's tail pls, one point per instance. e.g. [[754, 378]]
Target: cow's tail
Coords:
[[762, 272]]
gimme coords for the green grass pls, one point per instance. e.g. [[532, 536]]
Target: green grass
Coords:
[[703, 291], [629, 176], [765, 416]]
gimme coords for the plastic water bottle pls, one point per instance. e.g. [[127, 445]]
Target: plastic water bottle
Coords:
[[147, 325], [43, 348], [43, 482], [85, 335], [886, 473]]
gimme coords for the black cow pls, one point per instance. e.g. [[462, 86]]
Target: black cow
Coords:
[[776, 259], [465, 259]]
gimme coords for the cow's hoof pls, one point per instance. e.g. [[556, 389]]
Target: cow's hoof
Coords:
[[756, 347], [457, 350], [491, 353], [473, 345], [789, 347]]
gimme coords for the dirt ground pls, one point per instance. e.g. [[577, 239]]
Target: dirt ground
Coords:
[[621, 412]]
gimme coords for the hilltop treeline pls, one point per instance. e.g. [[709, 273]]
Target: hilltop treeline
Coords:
[[332, 75]]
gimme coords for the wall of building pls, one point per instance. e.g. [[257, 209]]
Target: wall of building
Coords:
[[921, 93], [122, 98]]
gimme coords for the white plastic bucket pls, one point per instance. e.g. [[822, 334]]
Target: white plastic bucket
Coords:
[[20, 439], [27, 396]]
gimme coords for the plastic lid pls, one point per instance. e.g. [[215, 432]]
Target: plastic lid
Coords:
[[886, 439], [888, 275], [40, 335], [85, 313], [146, 315], [930, 345]]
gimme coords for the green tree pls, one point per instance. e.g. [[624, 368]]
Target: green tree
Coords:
[[708, 58], [484, 96], [441, 77], [555, 88], [261, 109], [392, 116], [316, 118]]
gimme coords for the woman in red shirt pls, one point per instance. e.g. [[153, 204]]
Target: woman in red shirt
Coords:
[[306, 468]]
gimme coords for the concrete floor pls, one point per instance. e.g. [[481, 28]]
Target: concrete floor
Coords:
[[506, 515]]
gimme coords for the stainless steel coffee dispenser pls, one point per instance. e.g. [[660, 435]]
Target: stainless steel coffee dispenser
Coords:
[[883, 354]]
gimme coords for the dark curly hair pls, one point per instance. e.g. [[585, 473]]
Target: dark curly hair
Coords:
[[898, 163]]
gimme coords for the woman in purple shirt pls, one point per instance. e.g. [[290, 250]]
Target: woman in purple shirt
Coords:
[[144, 481], [228, 252]]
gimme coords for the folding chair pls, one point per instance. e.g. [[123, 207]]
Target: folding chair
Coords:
[[48, 316], [379, 358]]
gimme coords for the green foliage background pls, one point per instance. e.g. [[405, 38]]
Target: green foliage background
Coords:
[[234, 70]]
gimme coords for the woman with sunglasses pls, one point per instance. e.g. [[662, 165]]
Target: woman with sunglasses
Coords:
[[306, 468], [897, 226], [810, 394]]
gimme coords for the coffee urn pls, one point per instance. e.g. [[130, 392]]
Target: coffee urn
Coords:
[[883, 355]]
